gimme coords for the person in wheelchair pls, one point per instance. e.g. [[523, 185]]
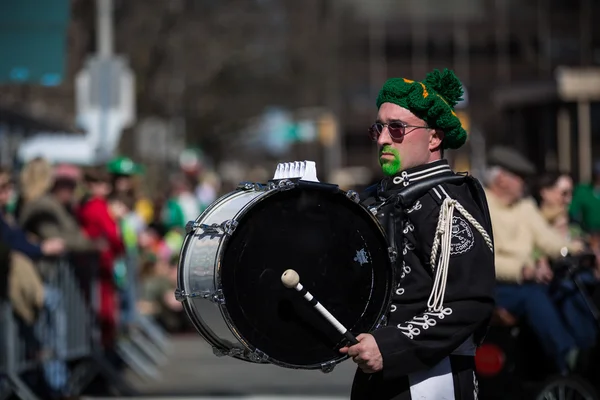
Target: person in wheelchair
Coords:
[[574, 277], [522, 283]]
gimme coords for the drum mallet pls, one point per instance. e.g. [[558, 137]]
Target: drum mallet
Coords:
[[291, 280]]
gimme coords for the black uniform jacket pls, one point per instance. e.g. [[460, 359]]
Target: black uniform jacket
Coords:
[[419, 341]]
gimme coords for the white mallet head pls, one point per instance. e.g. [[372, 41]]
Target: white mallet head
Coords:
[[290, 278]]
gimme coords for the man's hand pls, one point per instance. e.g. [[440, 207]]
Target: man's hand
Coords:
[[577, 246], [529, 273], [366, 354], [543, 272], [53, 246]]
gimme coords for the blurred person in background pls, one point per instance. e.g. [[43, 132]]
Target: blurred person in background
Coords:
[[121, 207], [519, 228], [585, 207], [125, 180], [159, 202], [12, 236], [152, 242], [208, 189], [554, 194], [46, 210], [181, 206], [97, 222], [159, 281], [125, 175], [20, 281], [44, 217]]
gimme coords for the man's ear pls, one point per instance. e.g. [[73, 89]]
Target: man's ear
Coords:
[[435, 140]]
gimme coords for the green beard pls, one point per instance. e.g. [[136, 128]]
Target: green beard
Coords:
[[390, 167]]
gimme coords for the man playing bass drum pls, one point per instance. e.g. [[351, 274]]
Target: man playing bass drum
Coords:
[[445, 275]]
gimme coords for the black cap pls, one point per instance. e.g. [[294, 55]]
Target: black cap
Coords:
[[511, 160]]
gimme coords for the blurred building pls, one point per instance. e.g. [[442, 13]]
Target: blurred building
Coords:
[[206, 71], [506, 52]]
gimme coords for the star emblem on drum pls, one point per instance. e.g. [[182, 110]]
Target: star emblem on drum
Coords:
[[361, 257]]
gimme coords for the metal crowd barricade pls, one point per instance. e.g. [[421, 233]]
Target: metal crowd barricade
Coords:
[[12, 364], [144, 347], [66, 335]]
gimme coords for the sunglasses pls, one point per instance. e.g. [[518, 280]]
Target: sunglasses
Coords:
[[396, 130]]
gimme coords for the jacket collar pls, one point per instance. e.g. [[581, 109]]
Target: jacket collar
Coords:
[[415, 174]]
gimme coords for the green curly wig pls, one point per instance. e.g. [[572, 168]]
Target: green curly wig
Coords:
[[432, 100]]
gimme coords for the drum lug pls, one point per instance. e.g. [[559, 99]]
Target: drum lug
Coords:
[[219, 352], [258, 356], [248, 186], [285, 184], [190, 227], [245, 186], [393, 254], [217, 297], [180, 295], [352, 195], [328, 367], [233, 352], [226, 227], [229, 227]]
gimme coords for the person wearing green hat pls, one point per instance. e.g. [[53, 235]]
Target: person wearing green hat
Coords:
[[444, 296], [123, 172]]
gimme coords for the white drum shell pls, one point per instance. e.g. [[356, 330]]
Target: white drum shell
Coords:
[[199, 275]]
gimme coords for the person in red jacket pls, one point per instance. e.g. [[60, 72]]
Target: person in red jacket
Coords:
[[97, 223]]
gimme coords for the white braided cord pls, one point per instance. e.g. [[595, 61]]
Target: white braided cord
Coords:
[[443, 238]]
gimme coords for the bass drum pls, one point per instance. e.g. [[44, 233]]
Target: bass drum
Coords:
[[230, 267]]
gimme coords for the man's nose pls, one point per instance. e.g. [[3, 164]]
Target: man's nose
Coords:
[[384, 137]]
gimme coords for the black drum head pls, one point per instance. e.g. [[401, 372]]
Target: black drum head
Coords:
[[341, 257]]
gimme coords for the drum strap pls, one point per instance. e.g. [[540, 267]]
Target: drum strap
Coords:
[[467, 348], [442, 244]]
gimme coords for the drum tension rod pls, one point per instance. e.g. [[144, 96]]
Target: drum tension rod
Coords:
[[214, 297], [224, 228], [283, 184], [251, 186]]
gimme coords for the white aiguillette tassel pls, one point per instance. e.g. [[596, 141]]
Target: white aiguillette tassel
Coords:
[[303, 170]]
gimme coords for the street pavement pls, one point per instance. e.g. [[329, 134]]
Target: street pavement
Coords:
[[193, 371]]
